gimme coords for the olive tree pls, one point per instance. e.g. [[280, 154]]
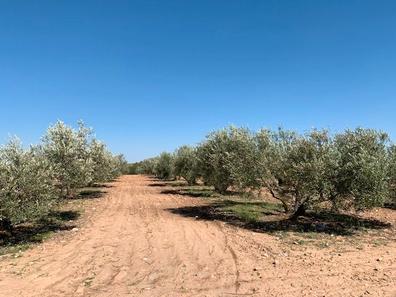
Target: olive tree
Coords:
[[67, 150], [226, 158], [185, 164], [361, 172], [348, 170], [298, 168], [392, 174], [163, 168], [26, 184], [242, 160], [146, 166], [119, 166], [101, 162]]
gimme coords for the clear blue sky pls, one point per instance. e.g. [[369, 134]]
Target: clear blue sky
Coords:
[[152, 75]]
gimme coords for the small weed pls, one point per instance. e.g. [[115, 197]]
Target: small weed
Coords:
[[379, 242], [88, 281], [90, 193], [323, 244], [311, 235], [300, 241]]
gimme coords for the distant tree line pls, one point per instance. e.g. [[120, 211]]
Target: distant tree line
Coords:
[[33, 180], [355, 169]]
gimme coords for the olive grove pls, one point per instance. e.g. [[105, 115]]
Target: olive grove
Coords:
[[33, 180], [354, 169]]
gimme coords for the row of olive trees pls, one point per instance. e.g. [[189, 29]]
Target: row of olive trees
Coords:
[[353, 169], [32, 180]]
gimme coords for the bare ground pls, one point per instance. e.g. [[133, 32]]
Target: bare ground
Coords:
[[130, 243]]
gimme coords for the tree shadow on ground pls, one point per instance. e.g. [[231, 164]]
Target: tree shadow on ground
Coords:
[[275, 221], [200, 191], [190, 192], [36, 232], [154, 179], [90, 193], [390, 206], [64, 215], [168, 184], [158, 185], [99, 185]]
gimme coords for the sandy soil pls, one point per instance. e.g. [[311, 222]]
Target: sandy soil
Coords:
[[130, 244]]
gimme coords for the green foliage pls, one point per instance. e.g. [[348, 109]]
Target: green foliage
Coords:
[[362, 166], [78, 159], [242, 159], [163, 167], [26, 183], [350, 170], [119, 166], [186, 164], [146, 166], [392, 174], [300, 168], [133, 168], [101, 162], [67, 150], [226, 158], [31, 180]]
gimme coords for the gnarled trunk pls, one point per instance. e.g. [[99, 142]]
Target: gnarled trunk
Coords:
[[6, 225], [221, 188], [282, 200], [299, 210]]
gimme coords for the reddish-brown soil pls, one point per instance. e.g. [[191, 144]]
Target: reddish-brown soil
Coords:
[[130, 244]]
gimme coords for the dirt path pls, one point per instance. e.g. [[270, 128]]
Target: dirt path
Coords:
[[132, 245]]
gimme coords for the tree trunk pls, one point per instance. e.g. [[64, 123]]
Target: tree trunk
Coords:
[[191, 182], [6, 225], [284, 204], [299, 210], [222, 189]]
